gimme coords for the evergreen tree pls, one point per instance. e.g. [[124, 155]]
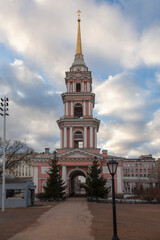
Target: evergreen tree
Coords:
[[95, 183], [55, 187]]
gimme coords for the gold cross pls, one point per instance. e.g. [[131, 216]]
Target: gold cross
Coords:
[[79, 12]]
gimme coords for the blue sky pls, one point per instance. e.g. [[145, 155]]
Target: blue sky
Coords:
[[120, 42]]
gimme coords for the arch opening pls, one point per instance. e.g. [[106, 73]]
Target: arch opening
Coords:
[[78, 139], [78, 110], [77, 180]]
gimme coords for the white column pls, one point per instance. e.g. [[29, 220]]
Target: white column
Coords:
[[73, 86], [119, 180], [91, 136], [84, 108], [64, 174], [88, 87], [65, 137], [71, 133], [72, 108], [82, 87], [89, 105], [95, 137], [35, 178], [61, 138], [91, 108], [66, 108], [85, 137]]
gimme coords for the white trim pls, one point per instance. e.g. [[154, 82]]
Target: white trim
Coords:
[[64, 174], [95, 137], [66, 108], [89, 106], [85, 137], [71, 108], [88, 87], [82, 87], [119, 180], [71, 133], [84, 108], [91, 136], [61, 138], [35, 178], [65, 137]]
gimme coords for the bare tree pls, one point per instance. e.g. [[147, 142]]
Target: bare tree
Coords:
[[16, 152]]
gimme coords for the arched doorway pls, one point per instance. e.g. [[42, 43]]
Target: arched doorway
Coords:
[[77, 179]]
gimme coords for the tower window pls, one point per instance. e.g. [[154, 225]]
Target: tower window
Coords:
[[78, 87], [78, 110], [78, 139]]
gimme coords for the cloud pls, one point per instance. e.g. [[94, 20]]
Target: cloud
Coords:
[[117, 38], [33, 107], [130, 125], [45, 33], [121, 96]]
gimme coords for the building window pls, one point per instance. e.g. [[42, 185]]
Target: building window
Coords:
[[132, 175], [140, 170], [144, 165], [136, 170], [132, 165], [136, 175], [128, 165], [78, 87], [136, 165], [78, 139], [128, 170], [78, 110], [124, 164], [144, 175], [15, 193], [128, 175], [140, 175]]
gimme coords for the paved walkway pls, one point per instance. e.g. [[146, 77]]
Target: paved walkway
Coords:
[[68, 220]]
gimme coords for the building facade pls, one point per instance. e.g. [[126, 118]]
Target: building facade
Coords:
[[78, 137], [78, 129]]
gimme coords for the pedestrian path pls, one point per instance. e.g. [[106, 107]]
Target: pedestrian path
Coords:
[[68, 220]]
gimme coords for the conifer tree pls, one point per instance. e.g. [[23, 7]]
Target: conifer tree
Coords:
[[55, 187], [95, 183]]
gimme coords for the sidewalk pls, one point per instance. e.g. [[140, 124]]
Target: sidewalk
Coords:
[[68, 220]]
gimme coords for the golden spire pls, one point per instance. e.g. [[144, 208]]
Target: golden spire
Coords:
[[79, 45]]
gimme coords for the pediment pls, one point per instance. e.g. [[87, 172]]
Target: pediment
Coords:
[[78, 154]]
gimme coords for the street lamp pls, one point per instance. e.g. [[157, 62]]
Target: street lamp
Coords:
[[4, 113], [112, 166]]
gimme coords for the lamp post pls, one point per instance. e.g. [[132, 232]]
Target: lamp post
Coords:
[[3, 113], [112, 166]]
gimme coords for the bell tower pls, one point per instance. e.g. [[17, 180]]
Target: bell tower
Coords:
[[78, 127]]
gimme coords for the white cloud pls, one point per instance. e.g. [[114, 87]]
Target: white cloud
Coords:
[[120, 96], [43, 34]]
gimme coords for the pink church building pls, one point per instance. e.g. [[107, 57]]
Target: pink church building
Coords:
[[78, 130]]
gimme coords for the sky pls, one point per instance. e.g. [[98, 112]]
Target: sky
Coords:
[[121, 46]]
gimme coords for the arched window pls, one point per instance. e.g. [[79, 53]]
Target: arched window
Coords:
[[78, 139], [78, 110]]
